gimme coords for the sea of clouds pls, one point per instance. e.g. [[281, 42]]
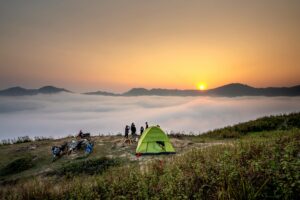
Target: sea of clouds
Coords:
[[64, 114]]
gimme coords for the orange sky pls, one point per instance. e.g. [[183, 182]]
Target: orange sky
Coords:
[[116, 45]]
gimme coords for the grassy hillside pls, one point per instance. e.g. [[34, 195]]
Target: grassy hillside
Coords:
[[270, 123], [257, 163]]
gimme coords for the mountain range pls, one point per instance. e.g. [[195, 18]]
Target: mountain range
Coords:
[[19, 91], [229, 90]]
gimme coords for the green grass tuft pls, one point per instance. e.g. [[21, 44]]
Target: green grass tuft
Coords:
[[17, 166], [90, 166]]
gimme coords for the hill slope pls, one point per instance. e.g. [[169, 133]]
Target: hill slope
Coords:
[[269, 123], [262, 163]]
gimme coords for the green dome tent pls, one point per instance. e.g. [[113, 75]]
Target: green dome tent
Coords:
[[154, 141]]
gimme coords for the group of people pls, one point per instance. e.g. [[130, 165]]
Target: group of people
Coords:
[[133, 130]]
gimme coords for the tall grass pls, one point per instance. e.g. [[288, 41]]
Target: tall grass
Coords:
[[254, 168], [270, 123]]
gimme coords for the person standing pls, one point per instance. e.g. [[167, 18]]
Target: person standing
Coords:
[[126, 131], [133, 129], [142, 130], [147, 125]]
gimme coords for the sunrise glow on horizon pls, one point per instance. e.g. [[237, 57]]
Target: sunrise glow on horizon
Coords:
[[202, 86], [118, 45]]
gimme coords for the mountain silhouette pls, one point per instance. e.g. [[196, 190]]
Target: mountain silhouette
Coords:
[[237, 89], [161, 92], [19, 91], [51, 90], [103, 93], [229, 90]]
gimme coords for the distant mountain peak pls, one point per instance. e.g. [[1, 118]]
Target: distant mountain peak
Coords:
[[139, 89], [136, 92], [16, 88], [103, 93], [235, 85], [48, 87], [19, 91], [51, 89]]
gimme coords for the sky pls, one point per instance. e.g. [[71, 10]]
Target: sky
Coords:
[[116, 45]]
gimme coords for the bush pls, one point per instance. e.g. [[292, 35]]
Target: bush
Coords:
[[18, 165], [42, 138], [90, 166], [5, 142], [23, 139]]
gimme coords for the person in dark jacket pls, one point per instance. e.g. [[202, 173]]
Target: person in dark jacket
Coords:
[[147, 125], [126, 131], [80, 134], [133, 129], [142, 130]]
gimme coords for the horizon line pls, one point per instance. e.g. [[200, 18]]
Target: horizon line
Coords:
[[147, 88]]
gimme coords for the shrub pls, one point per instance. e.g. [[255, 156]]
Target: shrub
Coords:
[[42, 138], [17, 165], [23, 139], [90, 166], [5, 142]]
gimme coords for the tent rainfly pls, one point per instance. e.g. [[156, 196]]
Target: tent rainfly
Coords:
[[154, 141]]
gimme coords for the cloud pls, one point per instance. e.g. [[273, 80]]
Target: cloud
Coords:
[[64, 114]]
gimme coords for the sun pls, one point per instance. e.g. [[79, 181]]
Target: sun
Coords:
[[201, 86]]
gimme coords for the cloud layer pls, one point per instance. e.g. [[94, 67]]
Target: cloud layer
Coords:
[[64, 114]]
